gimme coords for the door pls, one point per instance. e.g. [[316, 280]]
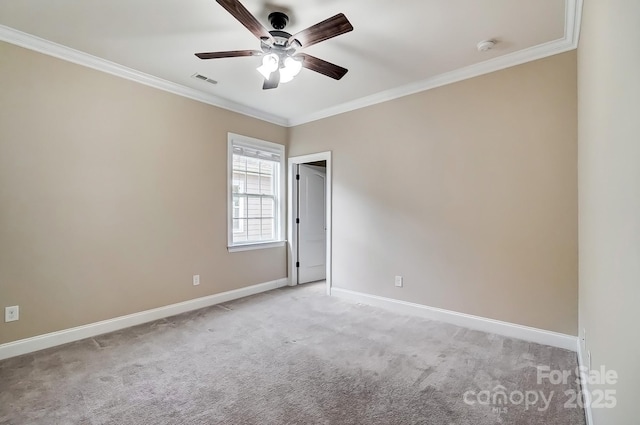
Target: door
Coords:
[[312, 224]]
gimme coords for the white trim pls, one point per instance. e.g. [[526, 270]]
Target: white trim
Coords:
[[573, 15], [293, 243], [28, 41], [507, 329], [40, 342], [252, 246], [573, 21], [584, 384]]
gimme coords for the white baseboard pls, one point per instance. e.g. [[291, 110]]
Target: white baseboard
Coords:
[[511, 330], [584, 384], [40, 342]]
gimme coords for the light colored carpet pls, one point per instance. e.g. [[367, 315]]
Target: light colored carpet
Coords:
[[289, 356]]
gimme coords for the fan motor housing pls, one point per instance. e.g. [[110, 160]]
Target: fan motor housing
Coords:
[[281, 37]]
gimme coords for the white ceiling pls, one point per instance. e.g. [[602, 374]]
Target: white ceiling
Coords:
[[396, 48]]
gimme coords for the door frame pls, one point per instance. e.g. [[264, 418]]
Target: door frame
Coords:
[[292, 244]]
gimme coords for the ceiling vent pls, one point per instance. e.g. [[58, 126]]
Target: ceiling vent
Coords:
[[204, 78]]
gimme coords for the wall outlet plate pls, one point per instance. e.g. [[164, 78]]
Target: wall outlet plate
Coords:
[[398, 281], [196, 279], [11, 314]]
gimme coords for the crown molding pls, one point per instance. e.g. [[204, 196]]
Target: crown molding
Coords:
[[573, 15], [31, 42]]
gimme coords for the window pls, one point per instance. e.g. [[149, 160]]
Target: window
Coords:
[[256, 187]]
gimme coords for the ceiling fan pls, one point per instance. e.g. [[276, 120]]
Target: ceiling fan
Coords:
[[281, 59]]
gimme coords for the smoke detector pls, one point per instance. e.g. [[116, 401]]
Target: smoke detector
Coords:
[[486, 45]]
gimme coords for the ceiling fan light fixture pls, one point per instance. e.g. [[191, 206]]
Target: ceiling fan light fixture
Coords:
[[269, 64], [279, 49], [291, 68]]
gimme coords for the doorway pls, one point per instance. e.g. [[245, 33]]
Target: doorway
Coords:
[[309, 219]]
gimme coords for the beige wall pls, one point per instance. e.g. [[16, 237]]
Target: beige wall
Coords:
[[112, 195], [469, 191], [609, 187]]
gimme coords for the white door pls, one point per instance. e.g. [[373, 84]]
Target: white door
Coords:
[[312, 224]]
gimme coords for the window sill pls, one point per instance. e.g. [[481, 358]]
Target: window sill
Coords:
[[252, 246]]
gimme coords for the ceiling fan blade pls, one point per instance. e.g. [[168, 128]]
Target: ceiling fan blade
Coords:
[[322, 66], [329, 28], [228, 54], [273, 81], [235, 8]]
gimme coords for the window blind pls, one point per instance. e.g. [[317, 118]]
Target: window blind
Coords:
[[251, 152]]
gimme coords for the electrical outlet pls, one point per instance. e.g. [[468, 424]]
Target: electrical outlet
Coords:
[[399, 281], [11, 314], [196, 279]]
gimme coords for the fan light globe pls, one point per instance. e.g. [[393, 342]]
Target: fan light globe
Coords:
[[291, 68], [269, 64]]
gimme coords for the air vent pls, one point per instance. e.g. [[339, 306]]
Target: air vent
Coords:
[[204, 78]]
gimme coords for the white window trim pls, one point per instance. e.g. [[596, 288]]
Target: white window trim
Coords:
[[279, 205], [255, 245]]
